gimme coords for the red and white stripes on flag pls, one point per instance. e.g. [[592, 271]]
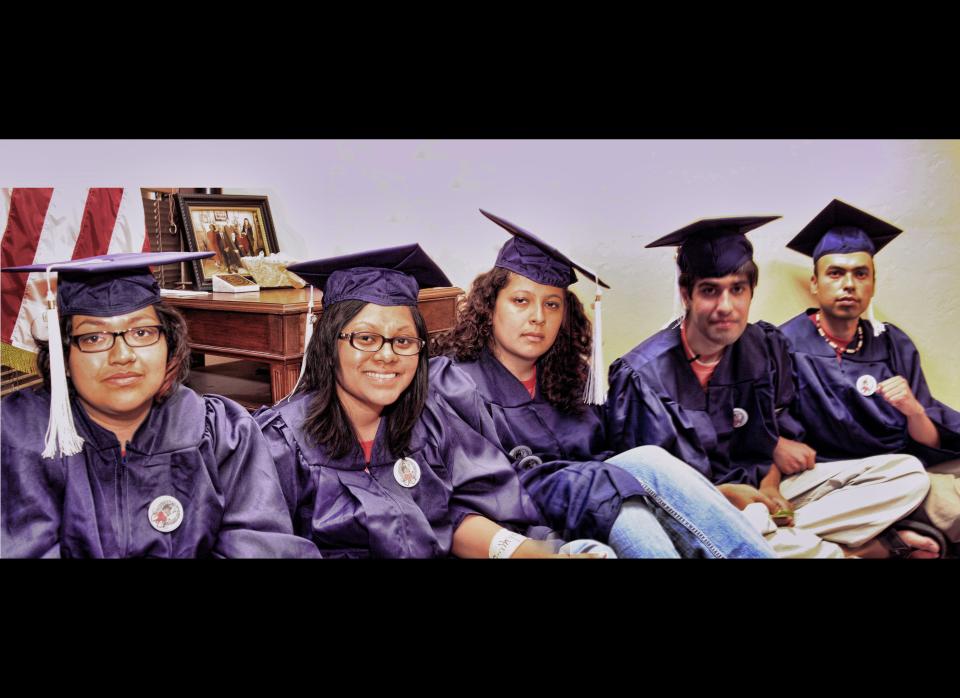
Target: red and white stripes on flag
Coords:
[[50, 225]]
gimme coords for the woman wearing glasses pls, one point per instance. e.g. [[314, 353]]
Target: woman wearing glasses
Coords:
[[113, 457], [371, 466]]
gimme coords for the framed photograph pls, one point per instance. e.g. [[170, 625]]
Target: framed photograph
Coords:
[[229, 225]]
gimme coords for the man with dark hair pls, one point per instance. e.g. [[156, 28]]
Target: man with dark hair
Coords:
[[862, 391], [714, 390]]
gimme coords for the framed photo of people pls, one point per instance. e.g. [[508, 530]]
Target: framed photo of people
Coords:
[[232, 226]]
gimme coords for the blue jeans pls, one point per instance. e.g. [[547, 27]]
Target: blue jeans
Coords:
[[684, 515], [583, 545]]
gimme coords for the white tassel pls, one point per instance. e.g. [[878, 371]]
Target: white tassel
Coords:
[[678, 311], [307, 334], [61, 431], [878, 327], [595, 390]]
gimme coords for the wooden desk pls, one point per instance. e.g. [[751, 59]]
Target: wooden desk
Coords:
[[267, 327]]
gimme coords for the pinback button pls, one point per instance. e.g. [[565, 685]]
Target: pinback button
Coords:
[[866, 385], [165, 513], [740, 417], [406, 472]]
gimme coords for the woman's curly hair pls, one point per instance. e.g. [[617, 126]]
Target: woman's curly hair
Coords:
[[562, 371], [178, 351]]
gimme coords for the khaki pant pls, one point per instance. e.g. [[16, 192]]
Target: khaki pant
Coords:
[[942, 505], [843, 503]]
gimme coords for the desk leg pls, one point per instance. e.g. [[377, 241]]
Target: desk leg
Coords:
[[283, 376]]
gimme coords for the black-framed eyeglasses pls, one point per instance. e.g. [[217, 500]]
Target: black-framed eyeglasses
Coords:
[[92, 342], [371, 341]]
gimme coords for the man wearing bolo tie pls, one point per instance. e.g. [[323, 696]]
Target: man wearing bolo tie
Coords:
[[862, 391], [716, 391]]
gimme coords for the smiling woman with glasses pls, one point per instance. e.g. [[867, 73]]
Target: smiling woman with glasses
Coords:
[[372, 465], [373, 342], [113, 457]]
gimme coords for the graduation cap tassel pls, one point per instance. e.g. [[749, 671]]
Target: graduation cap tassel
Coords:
[[878, 327], [679, 311], [61, 431], [307, 334], [595, 390]]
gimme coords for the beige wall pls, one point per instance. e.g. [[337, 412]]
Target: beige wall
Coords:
[[599, 200], [917, 274], [917, 291], [917, 189]]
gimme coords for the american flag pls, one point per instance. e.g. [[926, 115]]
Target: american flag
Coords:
[[49, 225]]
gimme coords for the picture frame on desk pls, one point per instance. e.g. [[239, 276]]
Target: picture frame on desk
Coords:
[[229, 225]]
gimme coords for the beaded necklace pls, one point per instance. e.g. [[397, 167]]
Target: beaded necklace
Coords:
[[835, 346]]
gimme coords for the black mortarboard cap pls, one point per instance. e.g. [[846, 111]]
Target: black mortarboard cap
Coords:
[[713, 247], [841, 229], [110, 284], [388, 276], [529, 256]]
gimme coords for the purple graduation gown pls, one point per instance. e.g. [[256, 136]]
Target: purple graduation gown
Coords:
[[579, 494], [205, 451], [349, 512], [842, 423], [655, 398]]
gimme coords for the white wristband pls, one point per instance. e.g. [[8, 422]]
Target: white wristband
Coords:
[[505, 543]]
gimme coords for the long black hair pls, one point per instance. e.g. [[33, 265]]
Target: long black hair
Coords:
[[178, 350], [326, 421]]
